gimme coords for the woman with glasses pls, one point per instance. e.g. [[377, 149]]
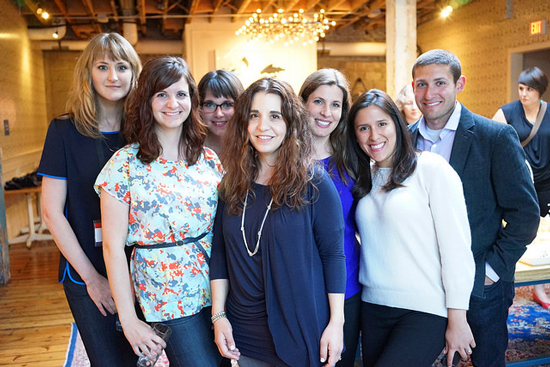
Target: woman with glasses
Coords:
[[218, 91]]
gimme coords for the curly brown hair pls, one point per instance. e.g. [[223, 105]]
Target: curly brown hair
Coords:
[[293, 171], [157, 75]]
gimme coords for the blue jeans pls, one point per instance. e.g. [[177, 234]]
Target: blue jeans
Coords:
[[487, 318], [192, 341], [105, 346]]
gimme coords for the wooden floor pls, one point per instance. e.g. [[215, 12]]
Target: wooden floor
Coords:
[[34, 315]]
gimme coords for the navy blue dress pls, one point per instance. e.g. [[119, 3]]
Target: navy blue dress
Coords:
[[277, 303], [537, 151]]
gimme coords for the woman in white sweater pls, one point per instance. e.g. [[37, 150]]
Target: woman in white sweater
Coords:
[[417, 268]]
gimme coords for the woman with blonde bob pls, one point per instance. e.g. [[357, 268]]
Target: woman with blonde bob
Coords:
[[278, 264], [77, 146]]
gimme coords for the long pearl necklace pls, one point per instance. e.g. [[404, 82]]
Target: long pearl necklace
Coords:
[[261, 227]]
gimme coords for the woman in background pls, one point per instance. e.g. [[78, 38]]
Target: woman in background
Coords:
[[413, 302], [77, 146], [407, 105], [278, 265], [159, 194], [218, 91], [522, 114], [326, 96]]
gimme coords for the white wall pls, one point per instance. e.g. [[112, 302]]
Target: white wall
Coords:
[[211, 46]]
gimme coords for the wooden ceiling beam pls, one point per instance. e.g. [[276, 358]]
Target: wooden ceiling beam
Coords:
[[242, 6]]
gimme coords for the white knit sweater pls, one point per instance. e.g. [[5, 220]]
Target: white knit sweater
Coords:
[[415, 240]]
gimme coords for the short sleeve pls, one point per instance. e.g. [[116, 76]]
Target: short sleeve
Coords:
[[114, 177], [53, 162]]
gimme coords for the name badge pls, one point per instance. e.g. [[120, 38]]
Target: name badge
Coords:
[[98, 234]]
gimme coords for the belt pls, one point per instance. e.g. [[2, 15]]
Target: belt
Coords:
[[186, 240]]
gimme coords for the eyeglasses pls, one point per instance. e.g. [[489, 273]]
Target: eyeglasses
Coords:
[[211, 107]]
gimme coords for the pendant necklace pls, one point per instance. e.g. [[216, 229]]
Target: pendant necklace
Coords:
[[250, 253]]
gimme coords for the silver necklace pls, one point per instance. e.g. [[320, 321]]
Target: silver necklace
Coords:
[[250, 253]]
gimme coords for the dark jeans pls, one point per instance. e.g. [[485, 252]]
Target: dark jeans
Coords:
[[352, 328], [192, 341], [251, 362], [487, 318], [398, 337], [105, 346]]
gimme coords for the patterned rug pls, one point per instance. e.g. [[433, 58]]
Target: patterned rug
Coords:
[[528, 326]]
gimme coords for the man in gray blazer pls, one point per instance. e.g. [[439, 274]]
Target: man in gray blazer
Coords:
[[500, 197]]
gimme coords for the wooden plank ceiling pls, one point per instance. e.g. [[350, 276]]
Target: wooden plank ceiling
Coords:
[[166, 19]]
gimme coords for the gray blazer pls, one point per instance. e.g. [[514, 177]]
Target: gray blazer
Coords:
[[498, 187]]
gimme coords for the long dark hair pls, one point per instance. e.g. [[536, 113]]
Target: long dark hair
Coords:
[[157, 75], [404, 159], [337, 138], [293, 170]]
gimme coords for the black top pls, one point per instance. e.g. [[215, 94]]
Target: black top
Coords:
[[277, 303], [538, 149], [71, 156]]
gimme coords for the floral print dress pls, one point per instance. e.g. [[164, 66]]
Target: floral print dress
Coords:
[[169, 202]]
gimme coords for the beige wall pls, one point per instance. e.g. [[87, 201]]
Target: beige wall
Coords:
[[480, 35], [23, 103], [211, 46]]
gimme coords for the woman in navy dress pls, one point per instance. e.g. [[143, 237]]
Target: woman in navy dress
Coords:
[[278, 265], [522, 114]]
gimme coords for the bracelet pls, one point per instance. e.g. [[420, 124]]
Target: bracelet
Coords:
[[219, 315]]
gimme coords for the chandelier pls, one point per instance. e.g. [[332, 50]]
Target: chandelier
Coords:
[[290, 28]]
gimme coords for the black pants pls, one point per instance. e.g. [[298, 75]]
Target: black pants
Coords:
[[397, 337]]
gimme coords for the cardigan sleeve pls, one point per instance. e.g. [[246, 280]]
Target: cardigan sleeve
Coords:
[[218, 262], [452, 229], [328, 229]]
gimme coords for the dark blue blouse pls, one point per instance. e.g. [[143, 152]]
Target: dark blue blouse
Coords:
[[277, 303], [351, 244], [538, 149]]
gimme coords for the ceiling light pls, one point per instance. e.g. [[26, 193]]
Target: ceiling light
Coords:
[[446, 11], [288, 27]]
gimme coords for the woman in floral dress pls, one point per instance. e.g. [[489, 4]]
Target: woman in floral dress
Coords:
[[160, 195]]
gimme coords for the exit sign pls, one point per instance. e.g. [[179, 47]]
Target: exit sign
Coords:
[[538, 27]]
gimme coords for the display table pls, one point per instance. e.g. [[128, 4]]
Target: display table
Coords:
[[34, 233], [530, 275]]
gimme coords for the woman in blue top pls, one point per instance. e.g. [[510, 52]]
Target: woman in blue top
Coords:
[[278, 265], [326, 96], [77, 146]]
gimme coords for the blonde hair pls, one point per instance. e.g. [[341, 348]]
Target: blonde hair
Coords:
[[82, 102]]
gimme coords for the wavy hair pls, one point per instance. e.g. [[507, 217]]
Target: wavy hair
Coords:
[[82, 101], [404, 160], [157, 75], [293, 171], [337, 139]]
